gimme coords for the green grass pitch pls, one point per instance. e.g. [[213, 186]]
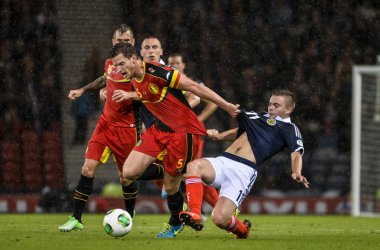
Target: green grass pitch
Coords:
[[40, 231]]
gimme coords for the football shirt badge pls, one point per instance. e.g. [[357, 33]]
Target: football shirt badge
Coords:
[[153, 88], [271, 121]]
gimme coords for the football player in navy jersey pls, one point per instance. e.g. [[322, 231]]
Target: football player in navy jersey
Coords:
[[258, 137]]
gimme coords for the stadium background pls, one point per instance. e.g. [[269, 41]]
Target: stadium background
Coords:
[[242, 49]]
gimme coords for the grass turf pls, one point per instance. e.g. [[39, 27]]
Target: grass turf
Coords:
[[40, 231]]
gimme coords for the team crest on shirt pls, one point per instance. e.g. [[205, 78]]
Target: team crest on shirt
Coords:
[[271, 121], [153, 88], [151, 70]]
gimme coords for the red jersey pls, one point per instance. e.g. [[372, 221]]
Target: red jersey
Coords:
[[158, 91], [120, 114]]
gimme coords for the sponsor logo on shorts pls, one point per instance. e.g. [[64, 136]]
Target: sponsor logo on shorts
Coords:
[[153, 88], [271, 121]]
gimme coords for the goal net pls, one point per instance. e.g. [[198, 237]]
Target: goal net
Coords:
[[365, 172]]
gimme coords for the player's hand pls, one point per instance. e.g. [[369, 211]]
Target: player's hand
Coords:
[[233, 109], [120, 95], [103, 94], [213, 134], [73, 94], [300, 179]]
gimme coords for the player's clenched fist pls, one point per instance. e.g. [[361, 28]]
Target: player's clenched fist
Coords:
[[75, 93], [233, 109], [213, 134]]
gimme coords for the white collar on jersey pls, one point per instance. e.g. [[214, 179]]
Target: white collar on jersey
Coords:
[[278, 118]]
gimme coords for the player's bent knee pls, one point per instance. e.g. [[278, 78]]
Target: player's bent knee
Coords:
[[130, 176], [219, 220], [193, 168]]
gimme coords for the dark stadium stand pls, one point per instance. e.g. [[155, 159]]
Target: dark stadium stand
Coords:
[[30, 89]]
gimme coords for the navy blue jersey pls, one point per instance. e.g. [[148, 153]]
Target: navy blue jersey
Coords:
[[269, 136]]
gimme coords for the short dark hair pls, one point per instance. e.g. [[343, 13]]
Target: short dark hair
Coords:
[[122, 48], [287, 93], [122, 28], [151, 37]]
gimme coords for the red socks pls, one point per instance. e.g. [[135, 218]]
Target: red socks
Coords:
[[236, 227], [194, 192], [210, 195]]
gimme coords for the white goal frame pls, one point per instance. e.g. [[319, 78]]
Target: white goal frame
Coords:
[[356, 133]]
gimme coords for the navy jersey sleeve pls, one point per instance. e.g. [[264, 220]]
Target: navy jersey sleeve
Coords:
[[293, 138]]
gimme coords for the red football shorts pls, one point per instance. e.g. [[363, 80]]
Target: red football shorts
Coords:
[[107, 139], [180, 148]]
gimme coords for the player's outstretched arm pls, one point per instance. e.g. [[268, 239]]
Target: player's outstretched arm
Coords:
[[297, 168], [204, 92], [121, 95], [227, 135], [97, 84]]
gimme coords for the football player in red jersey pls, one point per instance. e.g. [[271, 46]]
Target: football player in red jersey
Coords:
[[116, 133], [176, 129], [151, 51]]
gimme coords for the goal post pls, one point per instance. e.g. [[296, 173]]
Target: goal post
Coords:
[[365, 161]]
